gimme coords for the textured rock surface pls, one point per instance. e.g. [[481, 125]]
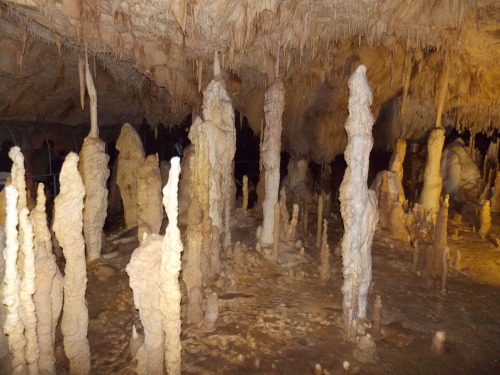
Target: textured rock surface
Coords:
[[130, 159], [358, 204], [68, 225]]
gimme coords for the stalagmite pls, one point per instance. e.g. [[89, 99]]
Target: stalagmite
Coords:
[[5, 355], [191, 272], [93, 168], [149, 209], [432, 176], [366, 351], [487, 188], [144, 273], [485, 220], [130, 159], [377, 307], [440, 237], [325, 271], [276, 231], [211, 311], [358, 204], [18, 177], [495, 199], [244, 206], [398, 158], [49, 287], [438, 342], [68, 225], [444, 274], [320, 220], [294, 222], [26, 292], [13, 326], [170, 294], [274, 106]]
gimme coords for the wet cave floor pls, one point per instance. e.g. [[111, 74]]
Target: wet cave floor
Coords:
[[283, 320]]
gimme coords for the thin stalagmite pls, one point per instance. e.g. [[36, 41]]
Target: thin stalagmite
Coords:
[[13, 326], [495, 199], [93, 167], [49, 286], [485, 220], [244, 206], [28, 287], [433, 181], [398, 158], [358, 204], [276, 231], [440, 237], [130, 159], [320, 219], [325, 271], [170, 295], [68, 225], [274, 106], [18, 176], [149, 210]]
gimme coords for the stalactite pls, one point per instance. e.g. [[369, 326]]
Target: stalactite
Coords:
[[49, 287], [442, 90], [130, 158], [271, 147], [408, 67], [13, 326], [93, 168], [179, 8], [81, 77], [358, 204], [170, 294], [68, 225], [149, 185], [320, 220]]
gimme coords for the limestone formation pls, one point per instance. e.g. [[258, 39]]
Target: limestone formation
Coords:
[[130, 159], [397, 158], [358, 204], [294, 222], [274, 106], [93, 168], [440, 238], [377, 307], [244, 206], [320, 220], [325, 271], [28, 287], [13, 326], [444, 274], [49, 286], [170, 266], [276, 231], [495, 199], [211, 311], [485, 220], [149, 200], [18, 177], [432, 178], [438, 342], [68, 225], [5, 355], [366, 351], [144, 273]]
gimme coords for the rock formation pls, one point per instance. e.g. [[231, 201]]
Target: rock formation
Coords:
[[93, 168], [149, 209], [5, 355], [485, 220], [68, 224], [358, 204], [274, 106], [49, 287], [244, 189], [325, 272], [320, 220], [432, 178], [495, 199], [130, 159], [170, 266], [397, 158]]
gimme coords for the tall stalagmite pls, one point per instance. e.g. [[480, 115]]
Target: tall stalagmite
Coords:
[[170, 300], [68, 225], [13, 326], [398, 158], [274, 105], [149, 210], [433, 181], [17, 175], [49, 286], [93, 168], [358, 204], [130, 159]]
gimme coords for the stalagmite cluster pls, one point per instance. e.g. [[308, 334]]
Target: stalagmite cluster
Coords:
[[274, 106], [149, 209], [130, 159], [68, 223], [93, 167], [358, 204], [49, 286]]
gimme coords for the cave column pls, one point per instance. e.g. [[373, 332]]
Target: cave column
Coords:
[[274, 105], [358, 204]]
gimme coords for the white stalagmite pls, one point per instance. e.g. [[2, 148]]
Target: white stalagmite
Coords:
[[358, 204], [170, 300], [13, 326], [68, 225], [433, 181], [149, 210], [130, 158], [17, 176], [26, 292], [274, 105], [93, 168], [49, 287]]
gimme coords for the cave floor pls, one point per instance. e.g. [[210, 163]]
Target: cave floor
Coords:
[[283, 320]]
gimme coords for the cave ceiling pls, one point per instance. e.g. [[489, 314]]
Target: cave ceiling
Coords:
[[152, 59]]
